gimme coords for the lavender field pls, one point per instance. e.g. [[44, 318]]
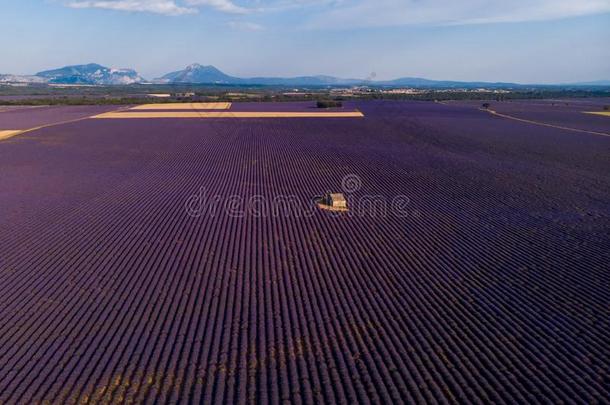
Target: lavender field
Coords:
[[166, 260], [31, 117], [568, 113]]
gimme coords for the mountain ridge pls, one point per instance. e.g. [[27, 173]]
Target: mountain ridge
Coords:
[[91, 74], [95, 74], [200, 74], [88, 74]]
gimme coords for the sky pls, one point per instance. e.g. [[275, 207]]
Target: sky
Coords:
[[524, 41]]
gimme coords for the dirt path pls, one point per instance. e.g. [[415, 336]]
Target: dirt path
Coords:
[[7, 134], [544, 124]]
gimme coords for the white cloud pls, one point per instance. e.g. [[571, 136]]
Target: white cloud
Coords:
[[226, 6], [181, 7], [286, 5], [372, 13], [166, 7], [378, 13]]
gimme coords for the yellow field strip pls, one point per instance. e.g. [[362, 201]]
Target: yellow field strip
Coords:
[[603, 113], [183, 106], [227, 114], [544, 124], [5, 134]]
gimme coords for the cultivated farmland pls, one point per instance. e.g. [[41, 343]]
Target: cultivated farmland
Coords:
[[472, 265]]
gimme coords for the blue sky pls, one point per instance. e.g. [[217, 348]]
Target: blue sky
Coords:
[[528, 41]]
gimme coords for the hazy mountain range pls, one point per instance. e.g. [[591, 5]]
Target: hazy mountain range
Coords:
[[94, 74], [91, 74]]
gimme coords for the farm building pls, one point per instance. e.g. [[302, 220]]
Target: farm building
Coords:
[[336, 200]]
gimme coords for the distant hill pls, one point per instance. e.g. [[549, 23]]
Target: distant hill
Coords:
[[304, 81], [199, 74], [419, 82], [21, 79], [593, 83], [94, 74], [90, 74]]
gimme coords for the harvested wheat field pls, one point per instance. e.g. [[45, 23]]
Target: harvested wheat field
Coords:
[[604, 113], [5, 134], [229, 114], [183, 106]]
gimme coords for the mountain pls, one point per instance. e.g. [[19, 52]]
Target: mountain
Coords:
[[91, 74], [94, 74], [302, 81], [21, 79], [197, 73], [593, 83], [419, 82]]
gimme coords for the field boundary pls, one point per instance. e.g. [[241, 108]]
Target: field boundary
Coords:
[[544, 124], [25, 131]]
